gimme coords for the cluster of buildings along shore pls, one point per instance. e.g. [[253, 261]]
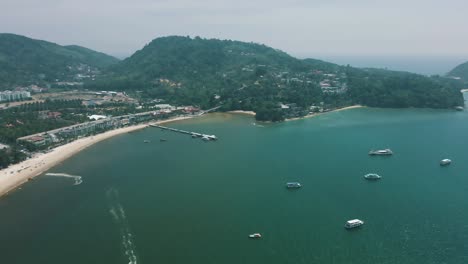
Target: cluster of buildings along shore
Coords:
[[102, 124]]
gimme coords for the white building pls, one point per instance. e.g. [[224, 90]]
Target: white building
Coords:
[[14, 96], [96, 117]]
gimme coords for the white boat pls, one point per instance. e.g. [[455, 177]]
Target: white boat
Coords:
[[291, 185], [353, 223], [212, 137], [255, 235], [445, 162], [372, 176], [381, 152], [209, 137]]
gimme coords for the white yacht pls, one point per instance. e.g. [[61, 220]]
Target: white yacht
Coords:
[[291, 185], [255, 235], [381, 152], [353, 223], [209, 137], [372, 176], [445, 162]]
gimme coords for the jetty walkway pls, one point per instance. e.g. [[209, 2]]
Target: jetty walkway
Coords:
[[193, 134]]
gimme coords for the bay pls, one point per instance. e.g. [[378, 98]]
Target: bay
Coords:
[[189, 201]]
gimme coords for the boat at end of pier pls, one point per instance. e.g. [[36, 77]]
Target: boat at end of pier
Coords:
[[354, 223], [381, 152], [209, 137]]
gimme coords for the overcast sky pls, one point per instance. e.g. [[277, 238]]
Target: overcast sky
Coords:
[[300, 27]]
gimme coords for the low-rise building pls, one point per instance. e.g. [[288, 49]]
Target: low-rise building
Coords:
[[8, 96]]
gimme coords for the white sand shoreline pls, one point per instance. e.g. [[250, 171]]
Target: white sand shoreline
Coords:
[[242, 112], [17, 174], [317, 114], [252, 113]]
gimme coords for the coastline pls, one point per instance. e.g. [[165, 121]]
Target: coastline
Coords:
[[318, 114], [242, 112], [17, 174], [252, 113]]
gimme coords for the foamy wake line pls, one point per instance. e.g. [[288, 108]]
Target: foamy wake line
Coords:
[[78, 179], [118, 214]]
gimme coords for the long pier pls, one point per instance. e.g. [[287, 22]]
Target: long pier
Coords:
[[193, 134]]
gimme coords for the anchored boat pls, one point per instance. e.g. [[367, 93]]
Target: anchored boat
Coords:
[[372, 176], [255, 235], [350, 224], [293, 185], [445, 162], [381, 152]]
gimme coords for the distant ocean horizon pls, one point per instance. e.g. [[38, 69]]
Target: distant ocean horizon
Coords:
[[426, 65]]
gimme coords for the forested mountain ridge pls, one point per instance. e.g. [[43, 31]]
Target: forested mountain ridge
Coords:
[[25, 61], [251, 76], [461, 71], [211, 72]]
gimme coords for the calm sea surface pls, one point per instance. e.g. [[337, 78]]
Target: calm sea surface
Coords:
[[188, 201]]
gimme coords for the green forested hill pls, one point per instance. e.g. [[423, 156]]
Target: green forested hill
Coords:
[[234, 74], [460, 71], [255, 77], [26, 61]]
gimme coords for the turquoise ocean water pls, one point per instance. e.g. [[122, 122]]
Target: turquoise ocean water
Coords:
[[189, 201]]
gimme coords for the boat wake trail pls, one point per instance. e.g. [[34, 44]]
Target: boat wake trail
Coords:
[[78, 179], [120, 218]]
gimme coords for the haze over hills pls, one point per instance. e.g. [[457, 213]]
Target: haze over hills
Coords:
[[25, 61]]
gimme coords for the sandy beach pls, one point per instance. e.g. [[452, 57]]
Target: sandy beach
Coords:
[[17, 174], [298, 118], [317, 114], [242, 112]]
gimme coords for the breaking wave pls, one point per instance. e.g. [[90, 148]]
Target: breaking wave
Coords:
[[78, 179], [120, 218]]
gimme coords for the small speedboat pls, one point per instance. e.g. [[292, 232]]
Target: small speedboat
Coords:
[[381, 152], [350, 224], [372, 176], [146, 141], [255, 235], [293, 185], [445, 162]]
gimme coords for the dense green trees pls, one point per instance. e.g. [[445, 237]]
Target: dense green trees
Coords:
[[237, 75], [25, 61], [255, 77], [461, 71], [382, 88]]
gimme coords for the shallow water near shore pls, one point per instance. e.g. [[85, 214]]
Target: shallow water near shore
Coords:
[[189, 201]]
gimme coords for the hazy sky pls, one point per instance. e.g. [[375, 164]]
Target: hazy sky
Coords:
[[300, 27]]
